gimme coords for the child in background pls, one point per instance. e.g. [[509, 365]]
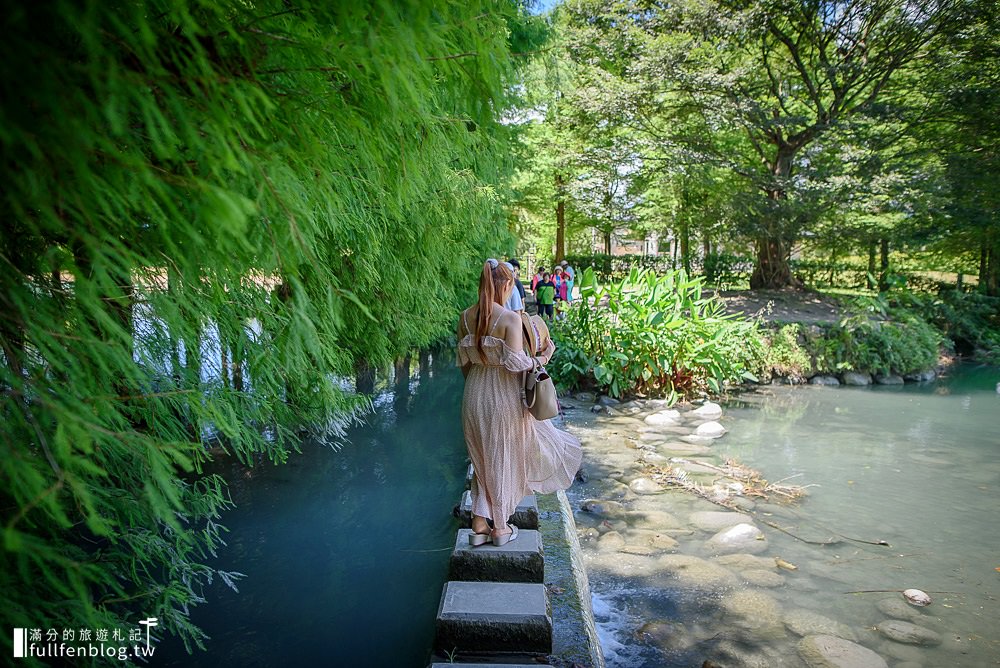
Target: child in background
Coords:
[[545, 292]]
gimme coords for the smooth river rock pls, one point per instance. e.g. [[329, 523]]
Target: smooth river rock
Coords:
[[822, 651], [891, 379], [824, 380], [804, 622], [710, 430], [760, 578], [897, 608], [602, 507], [739, 538], [666, 417], [651, 519], [645, 486], [755, 610], [710, 520], [745, 562], [857, 378], [708, 411], [612, 541], [696, 573], [910, 634], [694, 439]]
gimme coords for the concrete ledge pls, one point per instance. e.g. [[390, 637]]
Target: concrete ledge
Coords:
[[493, 617], [468, 476], [525, 515], [575, 641], [480, 665], [521, 560]]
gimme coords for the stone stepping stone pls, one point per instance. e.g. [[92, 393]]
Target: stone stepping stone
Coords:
[[468, 477], [525, 515], [521, 560], [493, 617]]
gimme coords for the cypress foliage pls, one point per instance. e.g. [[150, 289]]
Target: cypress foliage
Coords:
[[210, 211]]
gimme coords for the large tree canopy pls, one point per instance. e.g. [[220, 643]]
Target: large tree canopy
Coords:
[[760, 88]]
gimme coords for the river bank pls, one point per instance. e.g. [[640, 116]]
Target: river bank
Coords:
[[678, 580]]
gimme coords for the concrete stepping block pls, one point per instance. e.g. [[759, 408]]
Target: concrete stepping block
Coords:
[[468, 476], [493, 617], [525, 515], [520, 560]]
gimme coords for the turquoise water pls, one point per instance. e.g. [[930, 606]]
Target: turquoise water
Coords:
[[345, 552], [915, 466]]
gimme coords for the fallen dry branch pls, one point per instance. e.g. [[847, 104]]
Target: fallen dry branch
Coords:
[[751, 483]]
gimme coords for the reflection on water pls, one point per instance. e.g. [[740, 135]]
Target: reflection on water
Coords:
[[345, 552], [915, 466]]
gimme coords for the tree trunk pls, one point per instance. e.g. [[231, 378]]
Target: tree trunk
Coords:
[[607, 243], [364, 377], [237, 369], [560, 219], [883, 274], [870, 278], [708, 263], [992, 281], [224, 363], [984, 256], [772, 271], [686, 247], [774, 248]]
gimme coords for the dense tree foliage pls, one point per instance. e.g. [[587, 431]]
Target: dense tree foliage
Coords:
[[211, 213], [853, 129]]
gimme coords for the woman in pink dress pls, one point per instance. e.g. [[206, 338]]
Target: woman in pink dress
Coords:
[[512, 453]]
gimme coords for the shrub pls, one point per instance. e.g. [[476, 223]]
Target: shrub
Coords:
[[655, 335]]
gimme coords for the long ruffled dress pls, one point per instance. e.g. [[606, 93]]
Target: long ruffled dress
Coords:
[[513, 454]]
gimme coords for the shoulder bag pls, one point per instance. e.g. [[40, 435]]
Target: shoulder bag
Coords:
[[539, 394]]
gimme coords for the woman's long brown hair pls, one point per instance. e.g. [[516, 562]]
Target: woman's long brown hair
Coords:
[[491, 291]]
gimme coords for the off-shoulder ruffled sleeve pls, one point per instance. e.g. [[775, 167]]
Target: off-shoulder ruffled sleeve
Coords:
[[515, 361]]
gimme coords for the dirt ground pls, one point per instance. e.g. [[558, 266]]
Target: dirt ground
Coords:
[[784, 305]]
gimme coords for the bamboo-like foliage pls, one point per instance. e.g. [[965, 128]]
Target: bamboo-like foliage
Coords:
[[210, 212]]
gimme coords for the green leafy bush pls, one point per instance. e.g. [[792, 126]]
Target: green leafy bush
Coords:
[[786, 356], [904, 344], [654, 334]]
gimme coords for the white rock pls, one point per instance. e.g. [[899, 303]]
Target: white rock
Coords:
[[917, 597], [710, 430], [708, 410], [831, 652], [823, 380], [739, 538], [663, 417]]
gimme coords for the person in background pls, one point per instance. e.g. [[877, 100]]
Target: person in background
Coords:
[[570, 275], [513, 454], [515, 302], [517, 278], [537, 277], [559, 280], [545, 293]]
